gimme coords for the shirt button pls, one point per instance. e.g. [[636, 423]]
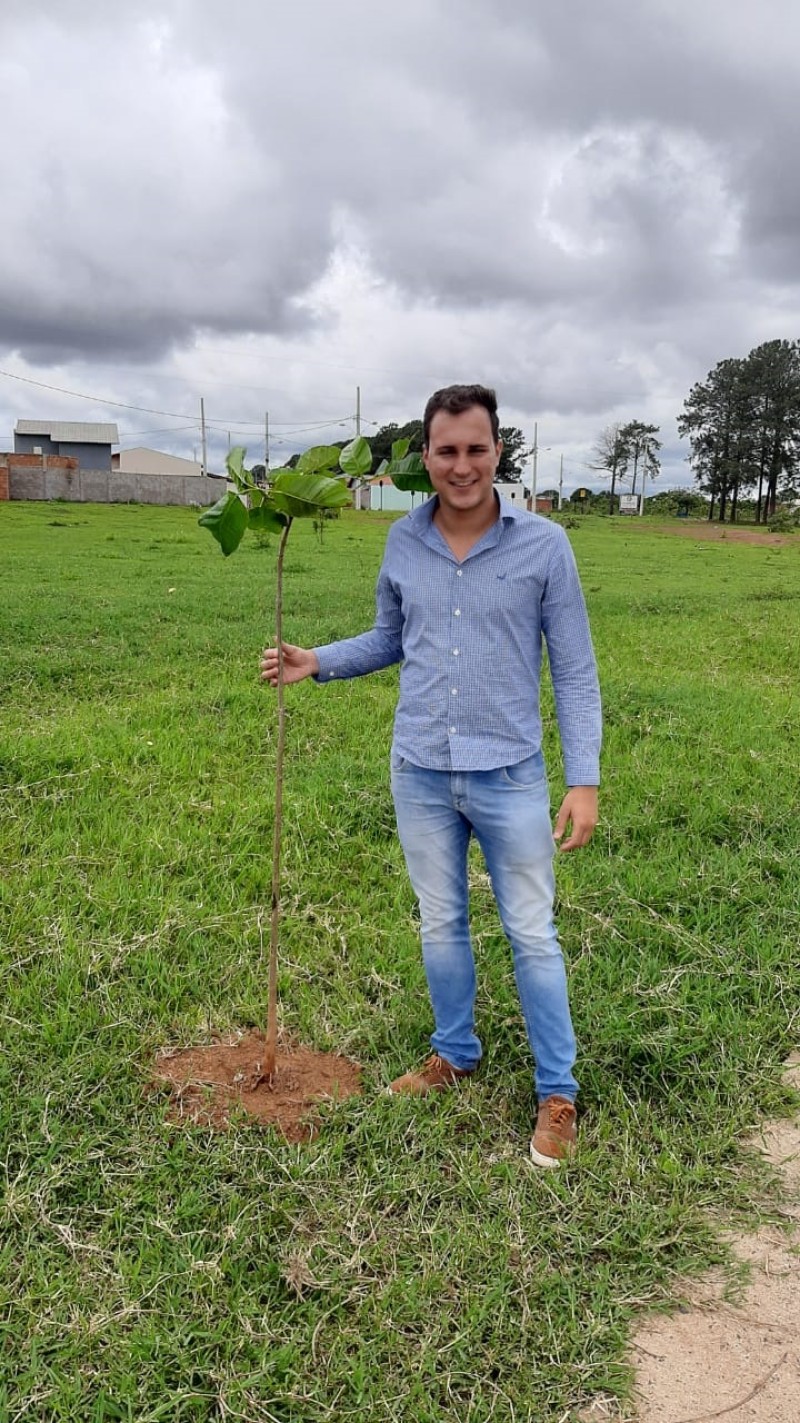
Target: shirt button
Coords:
[[458, 572], [457, 613], [455, 652], [452, 731], [454, 691]]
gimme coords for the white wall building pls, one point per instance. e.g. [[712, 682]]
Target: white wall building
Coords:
[[384, 495]]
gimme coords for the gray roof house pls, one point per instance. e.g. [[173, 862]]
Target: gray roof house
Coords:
[[88, 443]]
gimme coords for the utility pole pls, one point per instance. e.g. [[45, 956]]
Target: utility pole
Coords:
[[644, 480], [203, 434], [266, 443], [560, 483], [357, 496], [535, 453]]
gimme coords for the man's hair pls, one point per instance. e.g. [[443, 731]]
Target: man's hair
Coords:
[[455, 399]]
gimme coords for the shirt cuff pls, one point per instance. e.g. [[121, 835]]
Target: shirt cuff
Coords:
[[327, 671], [582, 772]]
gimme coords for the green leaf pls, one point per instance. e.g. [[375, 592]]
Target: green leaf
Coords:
[[226, 521], [234, 464], [356, 458], [382, 469], [300, 494], [410, 474], [400, 449], [317, 458], [264, 519]]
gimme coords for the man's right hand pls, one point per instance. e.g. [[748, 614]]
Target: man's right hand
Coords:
[[298, 662]]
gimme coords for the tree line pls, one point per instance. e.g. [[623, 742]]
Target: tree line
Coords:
[[509, 470], [743, 425], [511, 466]]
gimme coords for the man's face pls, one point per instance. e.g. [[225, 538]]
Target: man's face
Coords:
[[461, 459]]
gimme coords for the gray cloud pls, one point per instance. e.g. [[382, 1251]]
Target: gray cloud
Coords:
[[588, 204]]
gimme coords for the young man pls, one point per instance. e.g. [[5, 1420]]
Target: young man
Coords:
[[469, 586]]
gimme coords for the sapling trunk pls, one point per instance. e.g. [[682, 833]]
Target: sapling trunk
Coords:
[[272, 1000], [314, 488]]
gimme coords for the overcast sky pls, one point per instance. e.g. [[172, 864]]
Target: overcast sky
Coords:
[[584, 204]]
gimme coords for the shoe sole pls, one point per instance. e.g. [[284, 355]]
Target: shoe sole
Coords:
[[550, 1163]]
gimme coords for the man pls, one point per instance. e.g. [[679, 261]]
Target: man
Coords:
[[468, 587]]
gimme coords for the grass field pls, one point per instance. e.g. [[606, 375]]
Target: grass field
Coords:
[[409, 1263]]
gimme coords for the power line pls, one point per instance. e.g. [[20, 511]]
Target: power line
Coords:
[[164, 430], [97, 399], [170, 414]]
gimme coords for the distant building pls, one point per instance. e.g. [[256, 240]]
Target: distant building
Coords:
[[85, 442], [515, 493], [381, 494], [141, 460]]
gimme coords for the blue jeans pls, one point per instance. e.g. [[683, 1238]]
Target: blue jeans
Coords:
[[508, 811]]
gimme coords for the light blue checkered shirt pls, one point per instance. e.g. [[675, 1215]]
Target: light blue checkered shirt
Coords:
[[469, 636]]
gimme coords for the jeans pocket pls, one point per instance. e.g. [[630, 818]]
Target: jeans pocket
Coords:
[[524, 774], [397, 762]]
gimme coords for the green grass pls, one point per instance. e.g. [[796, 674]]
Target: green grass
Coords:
[[409, 1263]]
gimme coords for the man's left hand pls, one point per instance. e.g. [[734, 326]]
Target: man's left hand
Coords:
[[579, 812]]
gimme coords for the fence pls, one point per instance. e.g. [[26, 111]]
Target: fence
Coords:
[[59, 477]]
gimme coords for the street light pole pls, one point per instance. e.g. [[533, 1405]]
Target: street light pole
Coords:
[[560, 483]]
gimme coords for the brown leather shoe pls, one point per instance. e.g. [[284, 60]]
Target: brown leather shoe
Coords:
[[433, 1076], [556, 1133]]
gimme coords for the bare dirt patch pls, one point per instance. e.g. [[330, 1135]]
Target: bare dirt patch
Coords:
[[717, 1359], [713, 533], [210, 1083]]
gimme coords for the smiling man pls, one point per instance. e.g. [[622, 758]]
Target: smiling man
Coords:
[[469, 588]]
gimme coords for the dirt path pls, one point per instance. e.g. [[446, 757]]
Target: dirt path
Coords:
[[715, 1360], [712, 533]]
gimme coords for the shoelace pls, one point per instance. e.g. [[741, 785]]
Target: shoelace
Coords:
[[559, 1112]]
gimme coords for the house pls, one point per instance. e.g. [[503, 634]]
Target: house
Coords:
[[514, 493], [141, 460], [381, 495], [59, 459], [87, 443]]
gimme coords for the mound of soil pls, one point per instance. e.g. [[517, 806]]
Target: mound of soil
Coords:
[[208, 1083]]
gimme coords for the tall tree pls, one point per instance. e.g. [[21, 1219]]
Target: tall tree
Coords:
[[383, 439], [743, 424], [718, 421], [774, 370], [511, 466], [639, 451], [610, 458]]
